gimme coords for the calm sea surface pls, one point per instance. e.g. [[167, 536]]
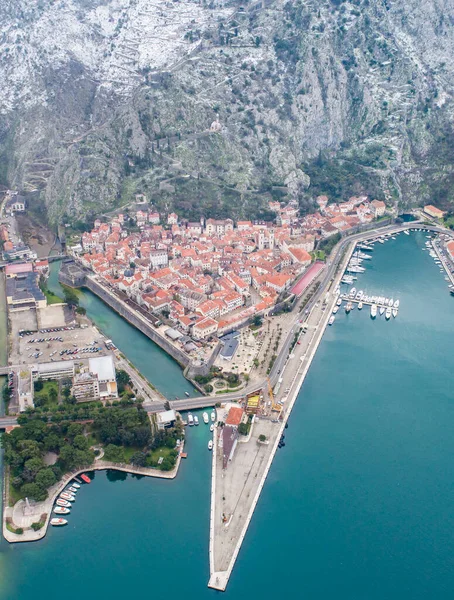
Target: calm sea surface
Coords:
[[357, 506]]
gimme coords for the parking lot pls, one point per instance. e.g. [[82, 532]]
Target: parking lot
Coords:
[[60, 343]]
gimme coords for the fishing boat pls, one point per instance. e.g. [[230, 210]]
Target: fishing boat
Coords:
[[68, 497], [388, 314], [196, 420], [210, 445], [373, 311], [64, 503], [60, 510], [331, 320], [190, 420], [85, 478], [212, 427], [205, 418], [58, 521], [213, 416]]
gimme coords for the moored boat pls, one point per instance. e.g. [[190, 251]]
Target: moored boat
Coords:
[[205, 418], [72, 489], [373, 311], [190, 420], [396, 303], [348, 307], [75, 484], [388, 314], [196, 420], [381, 310], [394, 312], [61, 510], [360, 305], [68, 497], [58, 521], [212, 427], [335, 309], [64, 503], [210, 445], [213, 416], [331, 320], [85, 478]]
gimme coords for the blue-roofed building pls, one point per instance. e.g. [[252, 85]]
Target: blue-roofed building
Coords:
[[230, 343]]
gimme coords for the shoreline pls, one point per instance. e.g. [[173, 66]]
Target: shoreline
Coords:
[[30, 535]]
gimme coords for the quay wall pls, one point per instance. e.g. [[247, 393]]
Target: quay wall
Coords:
[[147, 329]]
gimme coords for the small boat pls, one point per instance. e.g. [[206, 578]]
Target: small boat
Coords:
[[381, 310], [210, 445], [58, 521], [394, 312], [68, 497], [331, 320], [72, 489], [60, 510], [75, 484], [187, 394], [64, 503], [339, 302], [391, 302], [335, 309], [388, 314], [360, 305], [190, 420], [213, 416], [85, 478], [406, 232], [196, 420], [205, 418], [396, 303], [348, 307], [212, 427], [373, 311]]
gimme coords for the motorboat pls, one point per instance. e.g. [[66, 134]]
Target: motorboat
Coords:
[[360, 305], [212, 427], [210, 445], [335, 309], [394, 312], [68, 497], [388, 314], [396, 303], [60, 510], [196, 420], [85, 478], [339, 302], [75, 484], [213, 416], [56, 521], [331, 320], [373, 311], [205, 418], [348, 308], [64, 503], [190, 420], [72, 489], [381, 310]]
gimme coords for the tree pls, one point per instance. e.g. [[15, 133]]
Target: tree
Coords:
[[71, 297], [74, 430], [53, 395], [66, 392], [243, 429], [139, 459], [80, 442], [80, 310], [123, 380], [262, 438], [257, 321], [45, 478], [34, 491], [114, 453]]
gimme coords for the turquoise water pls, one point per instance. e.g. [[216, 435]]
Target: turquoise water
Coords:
[[357, 506], [157, 366]]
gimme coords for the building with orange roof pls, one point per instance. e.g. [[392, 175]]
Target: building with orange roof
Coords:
[[235, 416]]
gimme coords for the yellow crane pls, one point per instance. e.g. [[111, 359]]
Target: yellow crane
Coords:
[[274, 406]]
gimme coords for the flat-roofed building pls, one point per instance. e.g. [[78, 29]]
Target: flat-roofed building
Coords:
[[166, 418], [103, 367], [85, 387], [62, 369]]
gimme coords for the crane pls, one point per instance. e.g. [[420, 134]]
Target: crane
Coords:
[[274, 406]]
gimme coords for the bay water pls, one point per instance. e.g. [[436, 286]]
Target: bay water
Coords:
[[357, 506]]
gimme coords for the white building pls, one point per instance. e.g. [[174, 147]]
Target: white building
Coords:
[[103, 367]]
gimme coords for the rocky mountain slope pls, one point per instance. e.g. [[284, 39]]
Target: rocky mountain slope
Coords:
[[215, 106]]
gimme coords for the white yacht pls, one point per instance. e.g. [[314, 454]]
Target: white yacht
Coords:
[[335, 309], [213, 416], [406, 232], [382, 310], [394, 312], [210, 445], [196, 420], [373, 311], [58, 521], [339, 302], [205, 418], [190, 420], [212, 427], [360, 305], [391, 302], [396, 303], [388, 314], [331, 320]]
